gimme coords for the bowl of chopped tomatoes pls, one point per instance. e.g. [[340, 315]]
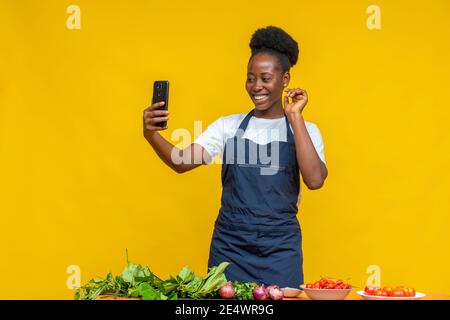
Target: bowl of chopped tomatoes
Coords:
[[327, 289]]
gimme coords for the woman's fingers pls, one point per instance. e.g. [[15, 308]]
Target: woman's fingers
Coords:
[[286, 100], [155, 113], [295, 91], [153, 116], [154, 120], [155, 106], [290, 92], [155, 128]]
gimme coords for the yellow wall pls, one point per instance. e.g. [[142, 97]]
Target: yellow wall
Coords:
[[79, 183]]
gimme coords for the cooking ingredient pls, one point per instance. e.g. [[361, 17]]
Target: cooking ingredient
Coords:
[[244, 290], [275, 292], [410, 292], [380, 292], [370, 290], [227, 291], [138, 281], [387, 291], [189, 285], [260, 292], [399, 292], [328, 283], [135, 281]]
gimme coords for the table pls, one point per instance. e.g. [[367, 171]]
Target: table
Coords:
[[354, 296]]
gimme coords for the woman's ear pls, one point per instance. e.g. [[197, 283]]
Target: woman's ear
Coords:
[[286, 78]]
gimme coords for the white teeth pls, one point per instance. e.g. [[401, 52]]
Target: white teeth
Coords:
[[260, 97]]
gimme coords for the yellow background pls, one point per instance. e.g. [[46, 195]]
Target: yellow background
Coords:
[[79, 183]]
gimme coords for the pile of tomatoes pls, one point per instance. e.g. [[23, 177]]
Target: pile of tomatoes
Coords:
[[398, 291], [328, 283]]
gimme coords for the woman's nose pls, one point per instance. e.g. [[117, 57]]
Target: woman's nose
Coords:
[[257, 86]]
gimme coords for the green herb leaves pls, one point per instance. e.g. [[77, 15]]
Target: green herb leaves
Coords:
[[138, 281], [189, 285], [244, 290], [127, 285]]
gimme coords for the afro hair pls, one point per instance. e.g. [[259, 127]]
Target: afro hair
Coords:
[[276, 41]]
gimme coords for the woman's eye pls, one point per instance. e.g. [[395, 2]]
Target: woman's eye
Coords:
[[266, 79]]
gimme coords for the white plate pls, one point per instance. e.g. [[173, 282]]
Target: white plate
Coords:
[[419, 295]]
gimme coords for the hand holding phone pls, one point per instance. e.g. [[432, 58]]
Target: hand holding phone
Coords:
[[161, 94], [157, 115]]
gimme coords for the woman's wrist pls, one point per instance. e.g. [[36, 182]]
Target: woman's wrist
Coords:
[[150, 135], [294, 117]]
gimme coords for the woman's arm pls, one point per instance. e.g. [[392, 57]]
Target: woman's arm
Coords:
[[312, 168], [179, 160]]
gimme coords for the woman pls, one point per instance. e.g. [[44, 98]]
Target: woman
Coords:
[[257, 229]]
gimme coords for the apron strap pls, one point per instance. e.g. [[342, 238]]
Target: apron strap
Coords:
[[246, 120], [289, 134], [244, 123]]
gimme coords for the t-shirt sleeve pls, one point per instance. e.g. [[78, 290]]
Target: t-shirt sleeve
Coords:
[[316, 138], [212, 139]]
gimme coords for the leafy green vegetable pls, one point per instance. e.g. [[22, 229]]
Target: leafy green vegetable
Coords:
[[244, 290], [126, 285], [215, 279], [138, 281], [189, 285], [149, 293]]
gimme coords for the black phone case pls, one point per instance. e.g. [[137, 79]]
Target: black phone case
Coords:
[[161, 93]]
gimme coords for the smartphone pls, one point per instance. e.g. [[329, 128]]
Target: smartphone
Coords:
[[161, 93]]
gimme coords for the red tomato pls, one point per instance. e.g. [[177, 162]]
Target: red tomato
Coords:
[[309, 285], [330, 283], [331, 280], [398, 292], [409, 292], [381, 293], [388, 290], [370, 290], [323, 283], [406, 292]]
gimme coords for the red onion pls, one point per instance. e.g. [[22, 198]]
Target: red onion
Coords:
[[260, 293], [227, 291], [275, 292], [270, 287]]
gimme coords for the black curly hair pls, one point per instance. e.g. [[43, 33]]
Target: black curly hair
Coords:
[[277, 42]]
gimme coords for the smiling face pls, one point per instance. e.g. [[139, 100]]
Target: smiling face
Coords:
[[265, 81]]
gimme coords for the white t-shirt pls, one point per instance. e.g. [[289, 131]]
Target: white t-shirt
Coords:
[[259, 130]]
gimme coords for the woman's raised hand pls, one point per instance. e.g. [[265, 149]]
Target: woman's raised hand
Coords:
[[152, 116], [299, 100]]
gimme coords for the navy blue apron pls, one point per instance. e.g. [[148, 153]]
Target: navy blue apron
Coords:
[[257, 229]]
